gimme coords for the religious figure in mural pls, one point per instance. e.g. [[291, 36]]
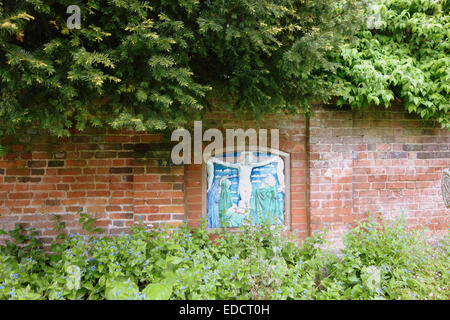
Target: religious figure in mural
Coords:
[[257, 195], [265, 200], [227, 210]]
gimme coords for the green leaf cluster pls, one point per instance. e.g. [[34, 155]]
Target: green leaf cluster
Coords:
[[403, 53]]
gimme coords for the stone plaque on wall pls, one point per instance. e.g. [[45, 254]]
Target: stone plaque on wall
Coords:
[[245, 186], [446, 187]]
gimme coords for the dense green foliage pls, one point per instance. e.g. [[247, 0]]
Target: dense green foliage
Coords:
[[379, 261], [151, 65], [405, 54]]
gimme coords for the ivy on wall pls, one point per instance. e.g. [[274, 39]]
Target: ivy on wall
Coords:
[[403, 53]]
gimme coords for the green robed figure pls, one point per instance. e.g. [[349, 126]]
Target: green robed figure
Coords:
[[264, 202]]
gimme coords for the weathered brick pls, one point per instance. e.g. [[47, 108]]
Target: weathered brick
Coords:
[[83, 147], [433, 155], [37, 164], [158, 217], [75, 163], [171, 178], [80, 139], [121, 170], [146, 209], [110, 146], [105, 155], [118, 223], [70, 171], [55, 163], [52, 202], [178, 186], [120, 139], [59, 155], [126, 154], [126, 216]]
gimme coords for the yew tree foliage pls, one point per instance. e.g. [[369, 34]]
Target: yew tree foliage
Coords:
[[150, 65], [404, 54]]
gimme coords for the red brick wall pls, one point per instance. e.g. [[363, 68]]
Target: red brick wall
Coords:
[[342, 164], [380, 161], [117, 177]]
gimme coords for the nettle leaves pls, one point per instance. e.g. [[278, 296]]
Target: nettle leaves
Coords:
[[405, 57]]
